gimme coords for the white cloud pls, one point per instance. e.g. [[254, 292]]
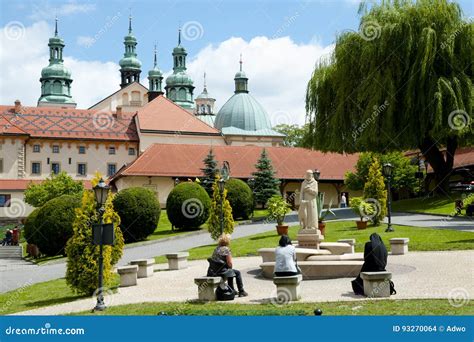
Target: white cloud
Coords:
[[44, 10], [278, 72], [85, 41], [23, 57]]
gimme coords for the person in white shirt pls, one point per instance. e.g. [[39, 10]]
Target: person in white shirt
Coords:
[[343, 201], [285, 258]]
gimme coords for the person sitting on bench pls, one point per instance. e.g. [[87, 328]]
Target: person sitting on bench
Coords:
[[285, 258], [221, 263]]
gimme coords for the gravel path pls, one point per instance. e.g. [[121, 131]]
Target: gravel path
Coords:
[[416, 275]]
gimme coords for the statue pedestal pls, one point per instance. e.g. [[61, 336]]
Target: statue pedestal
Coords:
[[309, 238]]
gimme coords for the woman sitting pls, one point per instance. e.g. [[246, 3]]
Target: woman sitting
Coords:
[[285, 258], [221, 264], [375, 260]]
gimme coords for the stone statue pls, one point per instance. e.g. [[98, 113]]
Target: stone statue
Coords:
[[308, 211]]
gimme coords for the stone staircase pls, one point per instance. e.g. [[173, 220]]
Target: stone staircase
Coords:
[[11, 252]]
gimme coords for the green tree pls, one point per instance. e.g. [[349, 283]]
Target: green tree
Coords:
[[375, 193], [214, 222], [403, 82], [266, 185], [294, 134], [240, 197], [403, 176], [210, 171], [82, 256], [52, 187]]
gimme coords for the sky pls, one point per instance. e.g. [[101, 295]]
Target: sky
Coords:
[[280, 43]]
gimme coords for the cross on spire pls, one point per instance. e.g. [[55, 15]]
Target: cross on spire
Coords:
[[204, 80], [154, 61], [240, 62], [130, 22], [56, 26], [179, 36]]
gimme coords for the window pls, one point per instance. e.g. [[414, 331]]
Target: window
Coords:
[[111, 150], [81, 169], [111, 169], [131, 151], [36, 148], [1, 165], [55, 148], [82, 150], [36, 168], [55, 168], [5, 200]]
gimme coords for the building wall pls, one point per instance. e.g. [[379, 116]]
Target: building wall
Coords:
[[161, 185], [147, 139], [251, 140], [18, 209], [131, 98], [12, 156]]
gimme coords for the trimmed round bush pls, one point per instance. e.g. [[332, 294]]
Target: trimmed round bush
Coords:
[[240, 197], [139, 212], [29, 229], [188, 205], [54, 224]]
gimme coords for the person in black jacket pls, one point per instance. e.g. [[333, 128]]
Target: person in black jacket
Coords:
[[375, 260]]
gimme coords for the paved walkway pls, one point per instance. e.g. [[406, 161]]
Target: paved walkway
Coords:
[[416, 275], [433, 221]]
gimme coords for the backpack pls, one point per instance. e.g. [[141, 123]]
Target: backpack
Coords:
[[392, 288], [224, 292]]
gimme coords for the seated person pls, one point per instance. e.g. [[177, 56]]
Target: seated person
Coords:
[[8, 237], [285, 258], [221, 265], [375, 260]]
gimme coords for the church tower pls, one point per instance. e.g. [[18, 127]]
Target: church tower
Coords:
[[155, 79], [205, 106], [130, 65], [179, 86], [56, 78]]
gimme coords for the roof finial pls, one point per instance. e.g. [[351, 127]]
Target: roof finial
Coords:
[[204, 80], [179, 36], [56, 26], [240, 62], [154, 62], [130, 22]]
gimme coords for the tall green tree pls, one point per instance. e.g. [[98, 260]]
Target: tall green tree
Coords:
[[375, 193], [403, 176], [57, 185], [214, 222], [266, 185], [294, 134], [209, 171], [403, 82]]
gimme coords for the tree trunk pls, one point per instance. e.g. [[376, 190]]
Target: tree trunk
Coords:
[[441, 164]]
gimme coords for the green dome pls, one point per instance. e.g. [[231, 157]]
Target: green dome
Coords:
[[180, 78], [55, 71], [244, 112], [155, 72], [240, 74], [204, 95], [130, 38], [179, 50], [130, 62]]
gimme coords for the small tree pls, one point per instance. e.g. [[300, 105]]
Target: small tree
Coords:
[[240, 197], [375, 192], [82, 262], [210, 171], [55, 186], [266, 185], [214, 223]]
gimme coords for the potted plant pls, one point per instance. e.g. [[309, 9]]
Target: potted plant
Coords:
[[322, 214], [361, 208], [277, 209]]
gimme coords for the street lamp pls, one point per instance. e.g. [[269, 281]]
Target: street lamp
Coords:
[[225, 171], [100, 191], [176, 181], [316, 174], [387, 171]]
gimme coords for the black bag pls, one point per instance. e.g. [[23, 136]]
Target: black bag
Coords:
[[392, 288], [224, 292]]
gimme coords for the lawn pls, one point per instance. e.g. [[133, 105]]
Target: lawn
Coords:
[[443, 205], [366, 307], [39, 295], [421, 239]]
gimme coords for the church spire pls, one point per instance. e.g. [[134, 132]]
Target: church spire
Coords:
[[179, 37], [241, 80], [130, 24], [130, 65], [155, 78], [56, 26]]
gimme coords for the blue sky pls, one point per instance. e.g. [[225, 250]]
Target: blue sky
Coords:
[[280, 41]]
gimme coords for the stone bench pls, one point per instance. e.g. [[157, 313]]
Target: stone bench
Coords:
[[177, 261], [352, 256], [128, 275], [350, 242], [376, 284], [207, 287], [268, 254], [326, 269], [399, 246], [145, 267], [288, 288], [336, 248]]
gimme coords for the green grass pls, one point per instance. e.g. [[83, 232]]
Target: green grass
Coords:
[[260, 213], [421, 239], [366, 307], [39, 295], [163, 230], [431, 205]]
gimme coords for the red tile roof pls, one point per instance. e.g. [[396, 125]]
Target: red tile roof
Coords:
[[6, 127], [180, 160], [70, 123], [163, 115], [464, 157], [22, 184]]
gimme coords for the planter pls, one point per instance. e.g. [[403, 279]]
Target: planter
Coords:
[[322, 226], [361, 224], [32, 250], [282, 229]]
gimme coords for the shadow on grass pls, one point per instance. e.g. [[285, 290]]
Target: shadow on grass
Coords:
[[462, 241], [55, 301], [176, 231]]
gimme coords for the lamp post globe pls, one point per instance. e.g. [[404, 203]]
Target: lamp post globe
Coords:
[[316, 174], [100, 192]]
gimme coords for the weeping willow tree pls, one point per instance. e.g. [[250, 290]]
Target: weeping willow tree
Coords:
[[404, 81]]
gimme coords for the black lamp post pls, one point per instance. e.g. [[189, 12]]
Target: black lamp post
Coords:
[[387, 171], [316, 174], [225, 170], [100, 191], [176, 181]]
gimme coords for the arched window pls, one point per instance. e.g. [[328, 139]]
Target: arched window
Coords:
[[57, 87], [182, 94], [136, 96], [125, 99], [209, 111], [180, 61], [172, 94]]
